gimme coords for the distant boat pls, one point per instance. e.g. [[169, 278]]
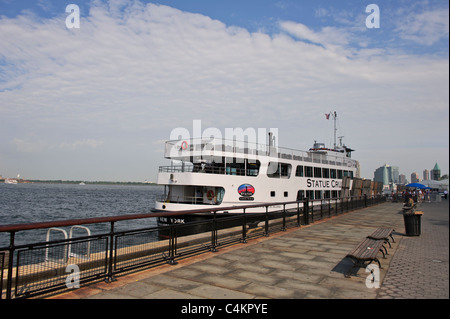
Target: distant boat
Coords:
[[82, 183], [10, 181]]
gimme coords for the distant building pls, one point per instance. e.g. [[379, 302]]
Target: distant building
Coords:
[[426, 174], [436, 172], [388, 175], [402, 179], [415, 178]]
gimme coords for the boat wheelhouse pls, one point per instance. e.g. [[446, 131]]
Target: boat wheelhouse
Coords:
[[213, 173]]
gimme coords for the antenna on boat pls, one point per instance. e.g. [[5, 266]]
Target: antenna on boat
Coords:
[[271, 143], [334, 115]]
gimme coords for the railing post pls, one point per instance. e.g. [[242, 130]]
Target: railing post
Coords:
[[329, 207], [10, 265], [214, 234], [321, 209], [306, 211], [298, 214], [365, 200], [284, 218], [109, 276], [244, 228], [172, 245], [266, 223]]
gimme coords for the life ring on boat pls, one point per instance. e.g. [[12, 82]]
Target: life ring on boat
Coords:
[[184, 145], [210, 194]]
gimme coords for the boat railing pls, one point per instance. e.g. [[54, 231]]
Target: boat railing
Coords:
[[209, 169], [194, 200], [202, 148], [26, 272]]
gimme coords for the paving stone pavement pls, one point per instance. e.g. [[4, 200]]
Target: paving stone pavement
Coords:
[[420, 267], [302, 263]]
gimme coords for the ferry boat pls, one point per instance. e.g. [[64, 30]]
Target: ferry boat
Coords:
[[214, 173]]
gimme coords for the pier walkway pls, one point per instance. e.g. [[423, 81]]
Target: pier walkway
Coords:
[[302, 263]]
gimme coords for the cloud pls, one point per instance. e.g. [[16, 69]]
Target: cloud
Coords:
[[34, 145], [89, 143], [26, 146], [424, 28], [132, 72], [326, 36], [321, 12]]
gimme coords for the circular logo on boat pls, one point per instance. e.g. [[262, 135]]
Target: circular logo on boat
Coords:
[[246, 191]]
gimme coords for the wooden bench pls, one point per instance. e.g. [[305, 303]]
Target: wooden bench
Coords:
[[383, 233], [366, 252]]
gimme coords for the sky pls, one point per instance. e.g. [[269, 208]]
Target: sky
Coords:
[[96, 102]]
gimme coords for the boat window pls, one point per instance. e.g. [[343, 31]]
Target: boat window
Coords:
[[334, 194], [310, 194], [245, 168], [308, 171], [253, 168], [285, 194], [339, 174], [300, 195], [272, 193], [326, 194], [317, 172], [333, 173], [299, 171], [318, 194], [220, 194], [325, 172], [197, 195], [278, 170]]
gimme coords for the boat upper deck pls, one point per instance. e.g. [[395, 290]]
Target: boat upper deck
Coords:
[[192, 149]]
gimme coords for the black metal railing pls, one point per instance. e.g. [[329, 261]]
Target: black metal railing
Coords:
[[37, 268]]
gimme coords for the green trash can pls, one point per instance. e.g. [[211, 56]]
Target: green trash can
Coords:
[[413, 223]]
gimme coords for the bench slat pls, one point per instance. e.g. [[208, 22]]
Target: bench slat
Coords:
[[366, 250], [381, 233]]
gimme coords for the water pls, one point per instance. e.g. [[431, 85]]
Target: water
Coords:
[[30, 203]]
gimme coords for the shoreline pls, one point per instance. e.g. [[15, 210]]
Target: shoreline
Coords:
[[32, 181]]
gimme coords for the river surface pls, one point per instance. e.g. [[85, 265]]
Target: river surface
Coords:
[[30, 203]]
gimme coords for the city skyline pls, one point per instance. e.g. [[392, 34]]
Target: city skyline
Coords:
[[396, 177], [91, 89]]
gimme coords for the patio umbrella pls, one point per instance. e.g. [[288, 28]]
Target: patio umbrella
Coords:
[[416, 185]]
